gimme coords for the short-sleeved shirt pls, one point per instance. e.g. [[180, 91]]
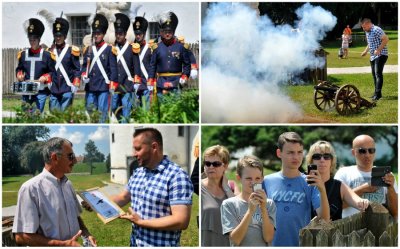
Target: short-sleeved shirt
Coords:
[[353, 178], [47, 206], [374, 38], [153, 192], [233, 211], [294, 200]]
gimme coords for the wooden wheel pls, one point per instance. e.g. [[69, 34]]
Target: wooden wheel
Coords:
[[347, 100], [324, 100]]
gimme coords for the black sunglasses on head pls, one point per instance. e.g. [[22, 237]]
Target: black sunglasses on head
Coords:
[[318, 156], [215, 164], [364, 150]]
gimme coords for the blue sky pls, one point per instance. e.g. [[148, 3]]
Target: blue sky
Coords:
[[80, 135]]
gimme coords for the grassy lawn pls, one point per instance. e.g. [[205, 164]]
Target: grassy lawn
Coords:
[[384, 112], [355, 60], [115, 233]]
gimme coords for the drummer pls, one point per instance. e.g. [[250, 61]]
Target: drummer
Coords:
[[66, 78], [35, 64]]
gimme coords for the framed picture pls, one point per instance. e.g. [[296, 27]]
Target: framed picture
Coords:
[[106, 209]]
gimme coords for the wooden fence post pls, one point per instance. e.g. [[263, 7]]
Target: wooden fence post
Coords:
[[338, 240], [377, 220], [369, 239]]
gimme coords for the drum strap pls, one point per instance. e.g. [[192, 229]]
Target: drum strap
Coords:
[[142, 54], [121, 58], [32, 61], [59, 64], [96, 60]]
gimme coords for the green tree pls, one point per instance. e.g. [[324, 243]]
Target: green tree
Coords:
[[14, 138], [92, 155], [31, 157]]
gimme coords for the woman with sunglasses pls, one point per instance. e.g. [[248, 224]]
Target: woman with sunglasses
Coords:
[[214, 191], [323, 155]]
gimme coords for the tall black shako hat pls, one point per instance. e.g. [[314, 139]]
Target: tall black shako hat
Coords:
[[100, 24], [60, 26], [121, 23], [168, 21], [35, 28], [140, 25]]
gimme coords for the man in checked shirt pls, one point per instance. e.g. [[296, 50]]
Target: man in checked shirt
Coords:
[[377, 40], [160, 193]]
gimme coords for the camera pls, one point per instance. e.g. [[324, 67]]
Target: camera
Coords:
[[257, 186], [377, 174], [309, 168]]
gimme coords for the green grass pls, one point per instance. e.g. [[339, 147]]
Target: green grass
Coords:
[[355, 59], [115, 233], [384, 112], [99, 168]]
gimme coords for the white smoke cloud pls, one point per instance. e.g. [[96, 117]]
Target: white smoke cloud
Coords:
[[248, 57]]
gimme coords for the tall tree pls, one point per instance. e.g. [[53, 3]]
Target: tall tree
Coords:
[[92, 155], [31, 157], [14, 138]]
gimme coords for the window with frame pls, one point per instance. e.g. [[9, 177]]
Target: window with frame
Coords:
[[153, 30], [79, 29]]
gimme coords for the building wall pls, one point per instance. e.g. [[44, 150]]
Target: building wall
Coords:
[[16, 13]]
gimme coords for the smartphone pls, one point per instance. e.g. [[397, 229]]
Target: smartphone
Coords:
[[377, 174], [309, 168], [257, 186]]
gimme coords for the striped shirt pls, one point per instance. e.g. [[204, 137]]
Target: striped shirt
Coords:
[[374, 38], [153, 192]]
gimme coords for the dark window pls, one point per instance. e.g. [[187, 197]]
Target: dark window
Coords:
[[79, 28], [181, 131], [112, 138], [154, 31]]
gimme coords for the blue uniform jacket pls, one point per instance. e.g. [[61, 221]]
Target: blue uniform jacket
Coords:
[[43, 65], [72, 66], [132, 61], [169, 59], [146, 63], [97, 82]]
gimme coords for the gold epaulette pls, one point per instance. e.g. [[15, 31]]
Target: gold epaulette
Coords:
[[19, 54], [114, 50], [53, 56], [75, 51], [84, 49], [186, 45], [135, 47], [181, 39]]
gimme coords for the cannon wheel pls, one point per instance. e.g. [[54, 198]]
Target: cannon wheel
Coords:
[[323, 100], [347, 100]]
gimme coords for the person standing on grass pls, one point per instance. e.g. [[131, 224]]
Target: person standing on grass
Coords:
[[377, 41], [48, 211]]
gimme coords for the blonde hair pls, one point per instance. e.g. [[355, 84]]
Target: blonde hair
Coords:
[[324, 147], [218, 150]]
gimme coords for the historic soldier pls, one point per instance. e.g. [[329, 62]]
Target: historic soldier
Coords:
[[128, 69], [170, 60], [194, 68], [66, 78], [99, 69], [140, 27], [35, 64]]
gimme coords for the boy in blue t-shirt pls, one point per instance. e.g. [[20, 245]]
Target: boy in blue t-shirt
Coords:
[[293, 196]]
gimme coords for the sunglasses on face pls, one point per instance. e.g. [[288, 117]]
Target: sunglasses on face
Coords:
[[318, 156], [70, 156], [215, 164], [364, 150]]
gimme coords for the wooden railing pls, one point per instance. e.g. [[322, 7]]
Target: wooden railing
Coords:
[[374, 227]]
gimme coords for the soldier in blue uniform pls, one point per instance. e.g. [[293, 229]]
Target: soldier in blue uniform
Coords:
[[128, 69], [66, 78], [35, 64], [140, 27], [99, 69], [194, 68], [170, 60]]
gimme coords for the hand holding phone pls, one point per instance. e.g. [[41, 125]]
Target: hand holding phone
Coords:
[[309, 168], [257, 186]]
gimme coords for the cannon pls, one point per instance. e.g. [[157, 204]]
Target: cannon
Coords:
[[345, 99]]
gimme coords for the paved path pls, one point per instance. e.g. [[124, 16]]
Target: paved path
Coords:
[[350, 70], [109, 189]]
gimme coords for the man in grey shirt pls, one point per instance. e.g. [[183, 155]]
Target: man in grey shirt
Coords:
[[47, 210]]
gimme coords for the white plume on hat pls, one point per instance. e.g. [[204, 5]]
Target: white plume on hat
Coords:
[[48, 16], [163, 17], [25, 26]]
